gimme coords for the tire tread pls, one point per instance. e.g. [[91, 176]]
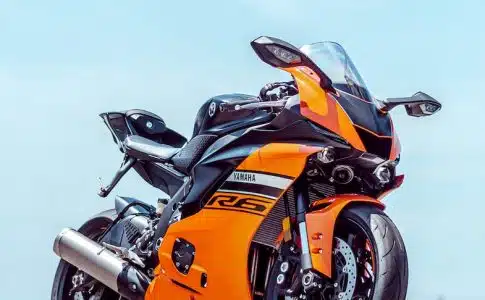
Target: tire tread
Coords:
[[392, 271]]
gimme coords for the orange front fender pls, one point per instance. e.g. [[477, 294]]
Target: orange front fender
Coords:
[[321, 224]]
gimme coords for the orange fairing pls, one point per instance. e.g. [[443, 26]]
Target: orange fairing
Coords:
[[221, 239], [396, 145], [320, 224], [283, 159], [322, 108], [222, 233]]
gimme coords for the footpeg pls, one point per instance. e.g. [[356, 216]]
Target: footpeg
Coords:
[[125, 253]]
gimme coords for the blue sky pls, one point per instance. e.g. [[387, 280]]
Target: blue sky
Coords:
[[63, 62]]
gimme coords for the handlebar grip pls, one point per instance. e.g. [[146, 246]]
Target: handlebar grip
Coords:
[[266, 88], [271, 86]]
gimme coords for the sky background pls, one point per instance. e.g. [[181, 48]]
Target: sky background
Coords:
[[64, 62]]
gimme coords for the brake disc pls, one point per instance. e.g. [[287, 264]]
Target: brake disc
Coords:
[[346, 270]]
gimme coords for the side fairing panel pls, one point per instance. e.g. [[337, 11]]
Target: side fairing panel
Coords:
[[322, 108], [365, 114], [395, 146], [356, 120], [223, 230]]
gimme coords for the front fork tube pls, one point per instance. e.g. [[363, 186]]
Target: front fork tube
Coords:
[[302, 204], [310, 281]]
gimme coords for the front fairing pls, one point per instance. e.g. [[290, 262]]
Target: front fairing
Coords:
[[349, 110], [373, 127]]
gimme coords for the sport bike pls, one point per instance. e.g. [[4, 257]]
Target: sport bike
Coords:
[[275, 196]]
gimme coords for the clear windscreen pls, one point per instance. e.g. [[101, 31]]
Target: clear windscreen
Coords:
[[332, 60]]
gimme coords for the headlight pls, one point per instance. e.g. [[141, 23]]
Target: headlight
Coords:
[[383, 174], [342, 174]]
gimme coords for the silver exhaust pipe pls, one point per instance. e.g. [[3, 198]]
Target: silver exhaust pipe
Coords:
[[101, 264]]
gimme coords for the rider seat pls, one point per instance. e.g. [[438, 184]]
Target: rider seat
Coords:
[[183, 158]]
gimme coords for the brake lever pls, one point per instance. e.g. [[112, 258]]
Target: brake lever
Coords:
[[267, 104]]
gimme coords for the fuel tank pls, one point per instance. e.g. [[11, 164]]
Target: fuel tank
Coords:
[[211, 120]]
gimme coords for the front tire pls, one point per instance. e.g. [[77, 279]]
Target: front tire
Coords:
[[369, 261], [388, 250]]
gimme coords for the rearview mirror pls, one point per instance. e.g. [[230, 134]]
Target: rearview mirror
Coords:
[[280, 54], [276, 52], [418, 105]]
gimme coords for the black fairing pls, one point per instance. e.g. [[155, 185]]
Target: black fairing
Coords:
[[134, 122], [160, 176], [211, 120], [226, 153], [151, 126], [365, 114], [380, 146], [143, 123]]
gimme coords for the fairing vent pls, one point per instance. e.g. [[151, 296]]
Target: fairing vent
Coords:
[[319, 190], [131, 232], [380, 146], [271, 227]]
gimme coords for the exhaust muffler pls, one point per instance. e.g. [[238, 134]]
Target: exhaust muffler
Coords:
[[101, 264]]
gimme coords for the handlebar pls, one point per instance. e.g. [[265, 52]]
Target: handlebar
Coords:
[[286, 86], [264, 100], [237, 104]]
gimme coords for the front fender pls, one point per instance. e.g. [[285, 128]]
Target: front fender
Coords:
[[320, 225]]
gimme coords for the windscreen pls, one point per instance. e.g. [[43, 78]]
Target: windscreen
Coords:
[[332, 59], [373, 127]]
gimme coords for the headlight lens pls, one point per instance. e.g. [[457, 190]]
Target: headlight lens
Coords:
[[383, 174]]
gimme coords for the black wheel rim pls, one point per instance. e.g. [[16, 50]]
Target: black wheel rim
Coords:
[[362, 243]]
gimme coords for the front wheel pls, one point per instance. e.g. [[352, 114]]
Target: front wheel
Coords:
[[379, 251], [369, 261]]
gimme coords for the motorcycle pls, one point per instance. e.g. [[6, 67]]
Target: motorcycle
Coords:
[[276, 196]]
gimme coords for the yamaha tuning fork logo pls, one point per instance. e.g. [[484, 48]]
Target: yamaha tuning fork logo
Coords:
[[212, 109]]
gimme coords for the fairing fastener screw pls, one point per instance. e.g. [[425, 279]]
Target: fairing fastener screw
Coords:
[[280, 279], [284, 267]]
